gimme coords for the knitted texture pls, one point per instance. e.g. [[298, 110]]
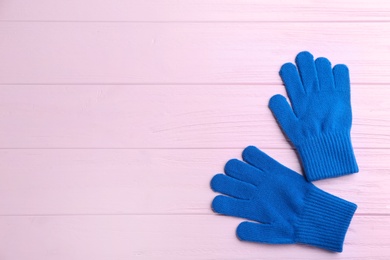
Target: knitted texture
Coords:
[[319, 120], [285, 208]]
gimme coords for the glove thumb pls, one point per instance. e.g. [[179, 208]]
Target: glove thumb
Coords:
[[265, 233], [283, 113]]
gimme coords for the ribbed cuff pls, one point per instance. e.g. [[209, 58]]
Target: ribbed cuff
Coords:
[[327, 156], [324, 220]]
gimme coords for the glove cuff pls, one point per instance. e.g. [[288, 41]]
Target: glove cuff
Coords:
[[324, 220], [327, 156]]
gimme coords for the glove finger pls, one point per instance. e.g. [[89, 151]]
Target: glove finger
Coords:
[[307, 70], [289, 74], [324, 73], [341, 77], [243, 171], [234, 207], [283, 113], [261, 160], [264, 233], [232, 187]]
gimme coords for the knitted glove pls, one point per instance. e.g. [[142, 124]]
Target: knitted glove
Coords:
[[319, 120], [285, 207]]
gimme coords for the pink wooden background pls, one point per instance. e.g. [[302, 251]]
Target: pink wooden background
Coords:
[[114, 116]]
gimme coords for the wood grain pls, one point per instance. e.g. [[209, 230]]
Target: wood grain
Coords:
[[166, 116], [195, 10], [191, 53], [169, 237], [164, 181]]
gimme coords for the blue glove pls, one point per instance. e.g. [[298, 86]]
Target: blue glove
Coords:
[[285, 207], [319, 120]]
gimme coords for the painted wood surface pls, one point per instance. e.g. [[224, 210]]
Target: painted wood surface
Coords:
[[154, 181], [184, 53], [114, 116], [168, 237], [195, 10], [166, 116]]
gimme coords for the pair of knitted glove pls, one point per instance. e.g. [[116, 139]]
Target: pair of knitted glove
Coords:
[[283, 206]]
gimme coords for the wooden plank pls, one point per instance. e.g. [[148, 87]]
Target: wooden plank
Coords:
[[165, 116], [169, 237], [194, 10], [163, 181], [157, 53]]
